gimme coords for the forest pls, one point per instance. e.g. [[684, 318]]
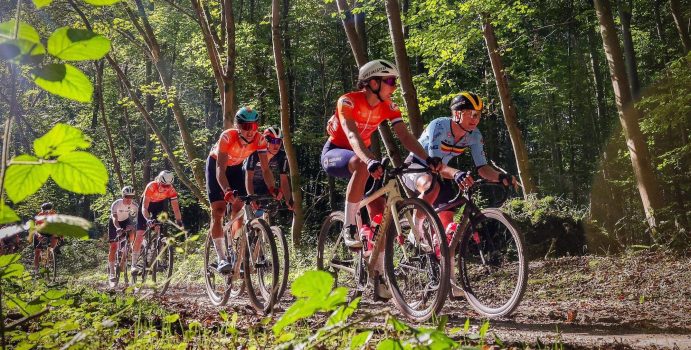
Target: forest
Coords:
[[586, 102]]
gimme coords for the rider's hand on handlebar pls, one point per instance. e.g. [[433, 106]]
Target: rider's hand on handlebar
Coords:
[[290, 203], [376, 170], [276, 193], [150, 222], [228, 196], [463, 179], [434, 163], [119, 230], [508, 180]]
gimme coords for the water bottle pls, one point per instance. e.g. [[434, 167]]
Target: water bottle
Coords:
[[368, 234], [450, 230]]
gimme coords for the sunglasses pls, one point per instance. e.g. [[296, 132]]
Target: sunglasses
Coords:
[[248, 126], [273, 140], [391, 81]]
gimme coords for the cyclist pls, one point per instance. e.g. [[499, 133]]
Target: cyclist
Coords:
[[346, 153], [224, 175], [277, 163], [123, 213], [155, 200], [39, 239]]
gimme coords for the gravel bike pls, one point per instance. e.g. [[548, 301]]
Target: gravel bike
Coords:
[[122, 257], [418, 280], [155, 258], [254, 258]]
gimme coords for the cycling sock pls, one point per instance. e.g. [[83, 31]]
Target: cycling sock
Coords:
[[220, 252], [111, 266], [351, 210], [135, 257]]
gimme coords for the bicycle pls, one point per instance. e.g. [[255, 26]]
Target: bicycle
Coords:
[[281, 248], [255, 268], [47, 264], [122, 257], [155, 258], [490, 255], [418, 281]]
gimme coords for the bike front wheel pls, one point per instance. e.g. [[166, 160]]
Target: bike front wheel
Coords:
[[334, 257], [284, 267], [261, 266], [492, 264], [417, 276], [161, 265]]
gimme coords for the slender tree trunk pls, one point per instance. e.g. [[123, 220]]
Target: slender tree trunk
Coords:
[[597, 80], [680, 25], [629, 52], [658, 21], [508, 109], [393, 13], [130, 144], [291, 154], [229, 103], [629, 116], [106, 126]]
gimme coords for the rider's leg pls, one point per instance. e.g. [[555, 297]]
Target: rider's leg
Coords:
[[218, 209], [37, 257], [111, 257], [429, 190]]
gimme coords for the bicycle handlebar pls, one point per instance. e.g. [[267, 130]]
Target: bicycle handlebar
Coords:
[[467, 194]]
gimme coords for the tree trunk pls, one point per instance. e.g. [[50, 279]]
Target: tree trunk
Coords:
[[629, 116], [629, 53], [229, 102], [130, 144], [393, 13], [104, 119], [681, 25], [291, 154], [508, 109], [601, 108]]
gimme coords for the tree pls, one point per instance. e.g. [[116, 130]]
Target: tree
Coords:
[[629, 52], [508, 108], [628, 115], [680, 25], [298, 217]]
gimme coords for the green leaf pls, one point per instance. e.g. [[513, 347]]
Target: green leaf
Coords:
[[23, 180], [312, 283], [72, 44], [42, 3], [7, 215], [26, 32], [66, 226], [360, 340], [64, 80], [9, 259], [54, 294], [171, 318], [389, 344], [342, 313], [14, 270], [101, 2], [27, 41], [80, 172], [61, 139], [285, 337]]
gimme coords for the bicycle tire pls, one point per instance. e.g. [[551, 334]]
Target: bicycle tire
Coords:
[[338, 261], [143, 262], [262, 289], [49, 265], [284, 259], [488, 251], [161, 268], [422, 300], [218, 297]]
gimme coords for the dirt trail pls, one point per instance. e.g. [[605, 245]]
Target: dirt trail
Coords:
[[641, 301]]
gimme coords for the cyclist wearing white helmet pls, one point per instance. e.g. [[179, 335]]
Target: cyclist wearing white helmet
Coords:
[[123, 216], [155, 200], [346, 154], [278, 163], [224, 174], [42, 240]]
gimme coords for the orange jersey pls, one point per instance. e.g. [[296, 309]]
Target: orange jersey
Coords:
[[231, 144], [354, 106], [157, 193]]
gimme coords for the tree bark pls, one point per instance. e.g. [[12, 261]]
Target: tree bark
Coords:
[[629, 52], [393, 13], [680, 24], [629, 116], [104, 120], [508, 109], [130, 144], [291, 154], [601, 108], [228, 90]]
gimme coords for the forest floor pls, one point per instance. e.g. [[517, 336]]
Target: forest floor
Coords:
[[637, 301]]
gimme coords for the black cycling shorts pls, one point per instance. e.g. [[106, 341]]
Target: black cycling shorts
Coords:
[[234, 174], [154, 209], [112, 235]]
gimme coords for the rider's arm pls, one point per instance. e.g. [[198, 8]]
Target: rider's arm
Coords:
[[266, 171], [113, 216], [489, 173], [355, 140], [145, 208], [248, 167], [409, 141], [176, 209], [285, 187], [221, 165]]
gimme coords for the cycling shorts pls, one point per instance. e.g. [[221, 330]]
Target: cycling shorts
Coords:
[[335, 160], [154, 209], [112, 235], [234, 174]]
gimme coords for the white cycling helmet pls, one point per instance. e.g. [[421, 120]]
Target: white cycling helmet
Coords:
[[377, 68], [127, 191], [273, 131], [165, 177]]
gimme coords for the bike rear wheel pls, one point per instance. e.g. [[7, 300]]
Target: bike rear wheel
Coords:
[[419, 280], [261, 266], [161, 265], [48, 265], [492, 264], [334, 257], [284, 260], [218, 285]]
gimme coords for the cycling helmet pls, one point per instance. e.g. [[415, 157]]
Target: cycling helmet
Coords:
[[127, 191], [274, 132], [377, 68], [246, 115], [165, 177], [466, 100], [47, 206]]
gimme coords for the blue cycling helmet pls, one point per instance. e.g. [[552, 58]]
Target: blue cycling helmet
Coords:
[[246, 115]]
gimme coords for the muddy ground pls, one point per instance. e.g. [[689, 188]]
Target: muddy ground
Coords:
[[639, 301]]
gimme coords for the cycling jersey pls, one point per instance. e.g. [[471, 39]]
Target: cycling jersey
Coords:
[[155, 192], [121, 211], [278, 164], [354, 106], [41, 216], [439, 140], [231, 144]]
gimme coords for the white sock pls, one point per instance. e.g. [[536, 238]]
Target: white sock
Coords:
[[220, 250], [111, 266], [135, 257], [379, 264], [351, 210]]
